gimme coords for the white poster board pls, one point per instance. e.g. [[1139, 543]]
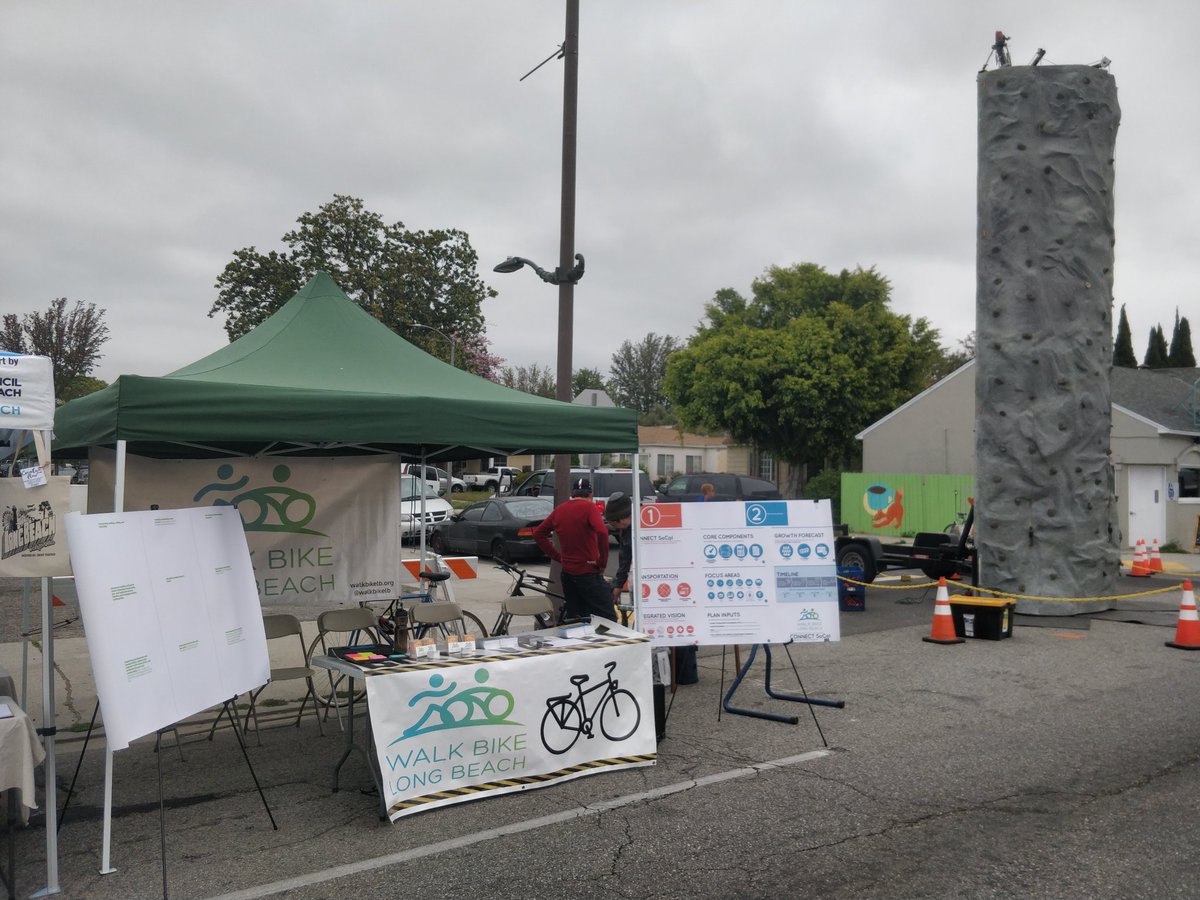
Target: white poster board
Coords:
[[323, 530], [747, 572], [170, 612]]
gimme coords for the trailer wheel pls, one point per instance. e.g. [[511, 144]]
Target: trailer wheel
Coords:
[[858, 554]]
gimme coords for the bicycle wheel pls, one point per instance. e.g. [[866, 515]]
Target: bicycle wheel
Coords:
[[475, 624], [620, 715], [561, 726]]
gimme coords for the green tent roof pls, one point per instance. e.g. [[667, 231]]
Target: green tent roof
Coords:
[[320, 376]]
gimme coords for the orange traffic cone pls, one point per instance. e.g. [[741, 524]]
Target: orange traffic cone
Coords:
[[1187, 632], [943, 619], [1140, 568], [1155, 562]]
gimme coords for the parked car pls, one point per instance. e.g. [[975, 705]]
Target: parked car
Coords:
[[686, 488], [436, 509], [500, 527], [492, 479], [441, 480], [605, 483]]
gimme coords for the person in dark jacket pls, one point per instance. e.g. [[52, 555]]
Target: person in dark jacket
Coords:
[[618, 512]]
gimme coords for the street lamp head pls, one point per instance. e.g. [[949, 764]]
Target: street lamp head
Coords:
[[558, 276], [509, 265]]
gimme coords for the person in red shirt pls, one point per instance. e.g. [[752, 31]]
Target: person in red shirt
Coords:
[[582, 550]]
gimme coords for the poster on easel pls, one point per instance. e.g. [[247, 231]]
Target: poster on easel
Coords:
[[33, 542], [170, 612], [751, 572]]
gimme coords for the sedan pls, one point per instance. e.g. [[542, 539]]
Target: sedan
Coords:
[[500, 527]]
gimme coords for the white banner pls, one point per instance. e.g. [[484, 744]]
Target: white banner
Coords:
[[752, 572], [170, 613], [458, 730], [26, 392], [33, 542], [321, 530]]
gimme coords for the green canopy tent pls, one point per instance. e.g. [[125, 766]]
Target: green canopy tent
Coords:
[[322, 376]]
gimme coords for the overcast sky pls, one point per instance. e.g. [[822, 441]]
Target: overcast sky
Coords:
[[144, 142]]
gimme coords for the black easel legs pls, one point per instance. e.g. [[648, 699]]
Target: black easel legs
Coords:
[[795, 698]]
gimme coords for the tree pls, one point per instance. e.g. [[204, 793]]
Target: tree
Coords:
[[637, 372], [535, 379], [398, 276], [587, 380], [1156, 350], [477, 358], [1180, 355], [1123, 347], [803, 366], [70, 338]]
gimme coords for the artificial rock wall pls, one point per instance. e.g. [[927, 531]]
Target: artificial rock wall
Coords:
[[1045, 510]]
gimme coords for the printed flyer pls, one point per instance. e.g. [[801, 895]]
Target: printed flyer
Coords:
[[751, 572]]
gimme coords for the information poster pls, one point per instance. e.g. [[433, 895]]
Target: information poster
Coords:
[[170, 612], [752, 572], [26, 392]]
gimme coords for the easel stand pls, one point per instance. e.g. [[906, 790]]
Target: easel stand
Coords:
[[774, 717], [227, 708]]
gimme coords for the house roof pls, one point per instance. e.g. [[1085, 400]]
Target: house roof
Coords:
[[663, 435], [1169, 399]]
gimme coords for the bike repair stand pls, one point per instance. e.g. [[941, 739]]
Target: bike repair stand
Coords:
[[774, 717]]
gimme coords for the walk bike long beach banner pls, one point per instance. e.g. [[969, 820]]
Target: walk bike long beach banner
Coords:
[[454, 730]]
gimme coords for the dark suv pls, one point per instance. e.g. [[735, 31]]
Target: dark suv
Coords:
[[686, 488], [605, 483]]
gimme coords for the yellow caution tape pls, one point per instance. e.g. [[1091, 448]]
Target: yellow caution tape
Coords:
[[910, 586]]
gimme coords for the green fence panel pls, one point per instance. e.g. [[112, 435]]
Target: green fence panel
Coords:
[[897, 504]]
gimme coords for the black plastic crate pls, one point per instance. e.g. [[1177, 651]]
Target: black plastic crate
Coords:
[[976, 617]]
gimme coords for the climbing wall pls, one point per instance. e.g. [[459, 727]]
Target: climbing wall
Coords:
[[1044, 484]]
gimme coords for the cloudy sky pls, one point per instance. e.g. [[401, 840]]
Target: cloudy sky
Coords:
[[144, 142]]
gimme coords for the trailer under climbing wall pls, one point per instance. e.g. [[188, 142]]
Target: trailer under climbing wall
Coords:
[[1046, 523]]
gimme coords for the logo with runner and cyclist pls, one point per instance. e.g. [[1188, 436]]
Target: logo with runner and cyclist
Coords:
[[570, 715], [448, 707], [272, 507]]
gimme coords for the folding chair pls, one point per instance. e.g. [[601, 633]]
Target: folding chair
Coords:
[[445, 616], [539, 607], [280, 626], [340, 628]]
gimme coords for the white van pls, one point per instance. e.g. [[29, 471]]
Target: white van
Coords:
[[436, 509]]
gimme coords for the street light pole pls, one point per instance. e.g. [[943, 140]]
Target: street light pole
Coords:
[[566, 244], [453, 342], [566, 274]]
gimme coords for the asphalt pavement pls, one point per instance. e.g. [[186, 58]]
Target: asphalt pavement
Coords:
[[1062, 762]]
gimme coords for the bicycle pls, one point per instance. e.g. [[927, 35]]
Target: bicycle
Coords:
[[955, 528], [524, 580], [617, 710], [433, 581]]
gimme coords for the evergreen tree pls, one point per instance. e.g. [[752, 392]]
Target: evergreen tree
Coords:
[[1123, 349], [1156, 350], [1181, 355]]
